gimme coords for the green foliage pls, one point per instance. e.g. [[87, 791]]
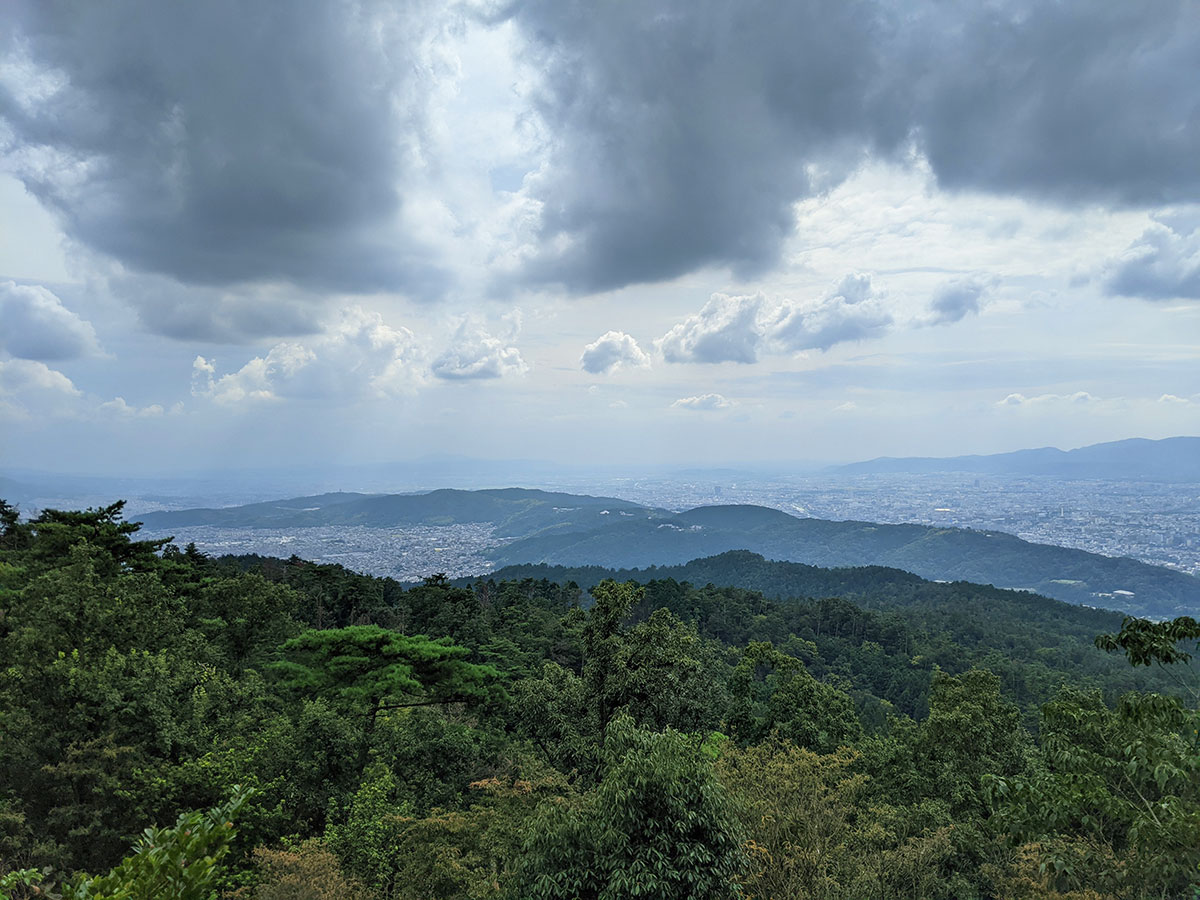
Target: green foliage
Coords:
[[775, 694], [1115, 800], [371, 669], [369, 837], [24, 880], [658, 825], [812, 833], [388, 765], [181, 862], [1145, 642], [367, 666]]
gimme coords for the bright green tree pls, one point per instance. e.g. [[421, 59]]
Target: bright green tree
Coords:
[[181, 862], [1115, 801]]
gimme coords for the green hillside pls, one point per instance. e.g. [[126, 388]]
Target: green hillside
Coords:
[[947, 554]]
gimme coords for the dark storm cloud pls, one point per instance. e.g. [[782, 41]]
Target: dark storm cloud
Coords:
[[218, 315], [223, 142], [682, 131]]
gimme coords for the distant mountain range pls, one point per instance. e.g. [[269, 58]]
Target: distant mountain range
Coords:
[[574, 530], [1174, 459]]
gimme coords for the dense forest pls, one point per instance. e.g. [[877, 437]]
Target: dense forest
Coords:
[[174, 725]]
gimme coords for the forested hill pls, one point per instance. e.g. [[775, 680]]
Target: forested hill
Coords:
[[740, 596], [871, 587], [948, 554], [514, 512]]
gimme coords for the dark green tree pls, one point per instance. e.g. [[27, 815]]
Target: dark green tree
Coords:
[[371, 669], [658, 825]]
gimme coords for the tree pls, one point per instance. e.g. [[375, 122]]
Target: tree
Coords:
[[658, 825], [1115, 801], [181, 862], [774, 692], [1147, 643], [54, 531], [372, 669]]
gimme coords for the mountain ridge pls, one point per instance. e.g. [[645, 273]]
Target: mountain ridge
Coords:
[[1174, 459]]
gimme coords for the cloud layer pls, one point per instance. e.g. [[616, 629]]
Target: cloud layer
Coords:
[[226, 142], [681, 133]]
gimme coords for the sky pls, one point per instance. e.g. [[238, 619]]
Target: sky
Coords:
[[666, 231]]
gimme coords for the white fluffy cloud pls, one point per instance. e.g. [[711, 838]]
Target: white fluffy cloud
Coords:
[[850, 311], [613, 350], [21, 375], [29, 388], [118, 408], [739, 328], [1164, 263], [727, 329], [703, 402], [475, 353], [361, 357], [35, 325]]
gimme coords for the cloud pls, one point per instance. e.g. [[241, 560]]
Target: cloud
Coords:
[[30, 389], [118, 408], [225, 142], [1163, 264], [703, 402], [360, 357], [220, 315], [727, 329], [20, 375], [1079, 398], [35, 325], [851, 311], [955, 301], [738, 329], [681, 135], [474, 353], [613, 350]]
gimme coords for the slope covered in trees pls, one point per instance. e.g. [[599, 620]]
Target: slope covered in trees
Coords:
[[337, 735], [949, 554]]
